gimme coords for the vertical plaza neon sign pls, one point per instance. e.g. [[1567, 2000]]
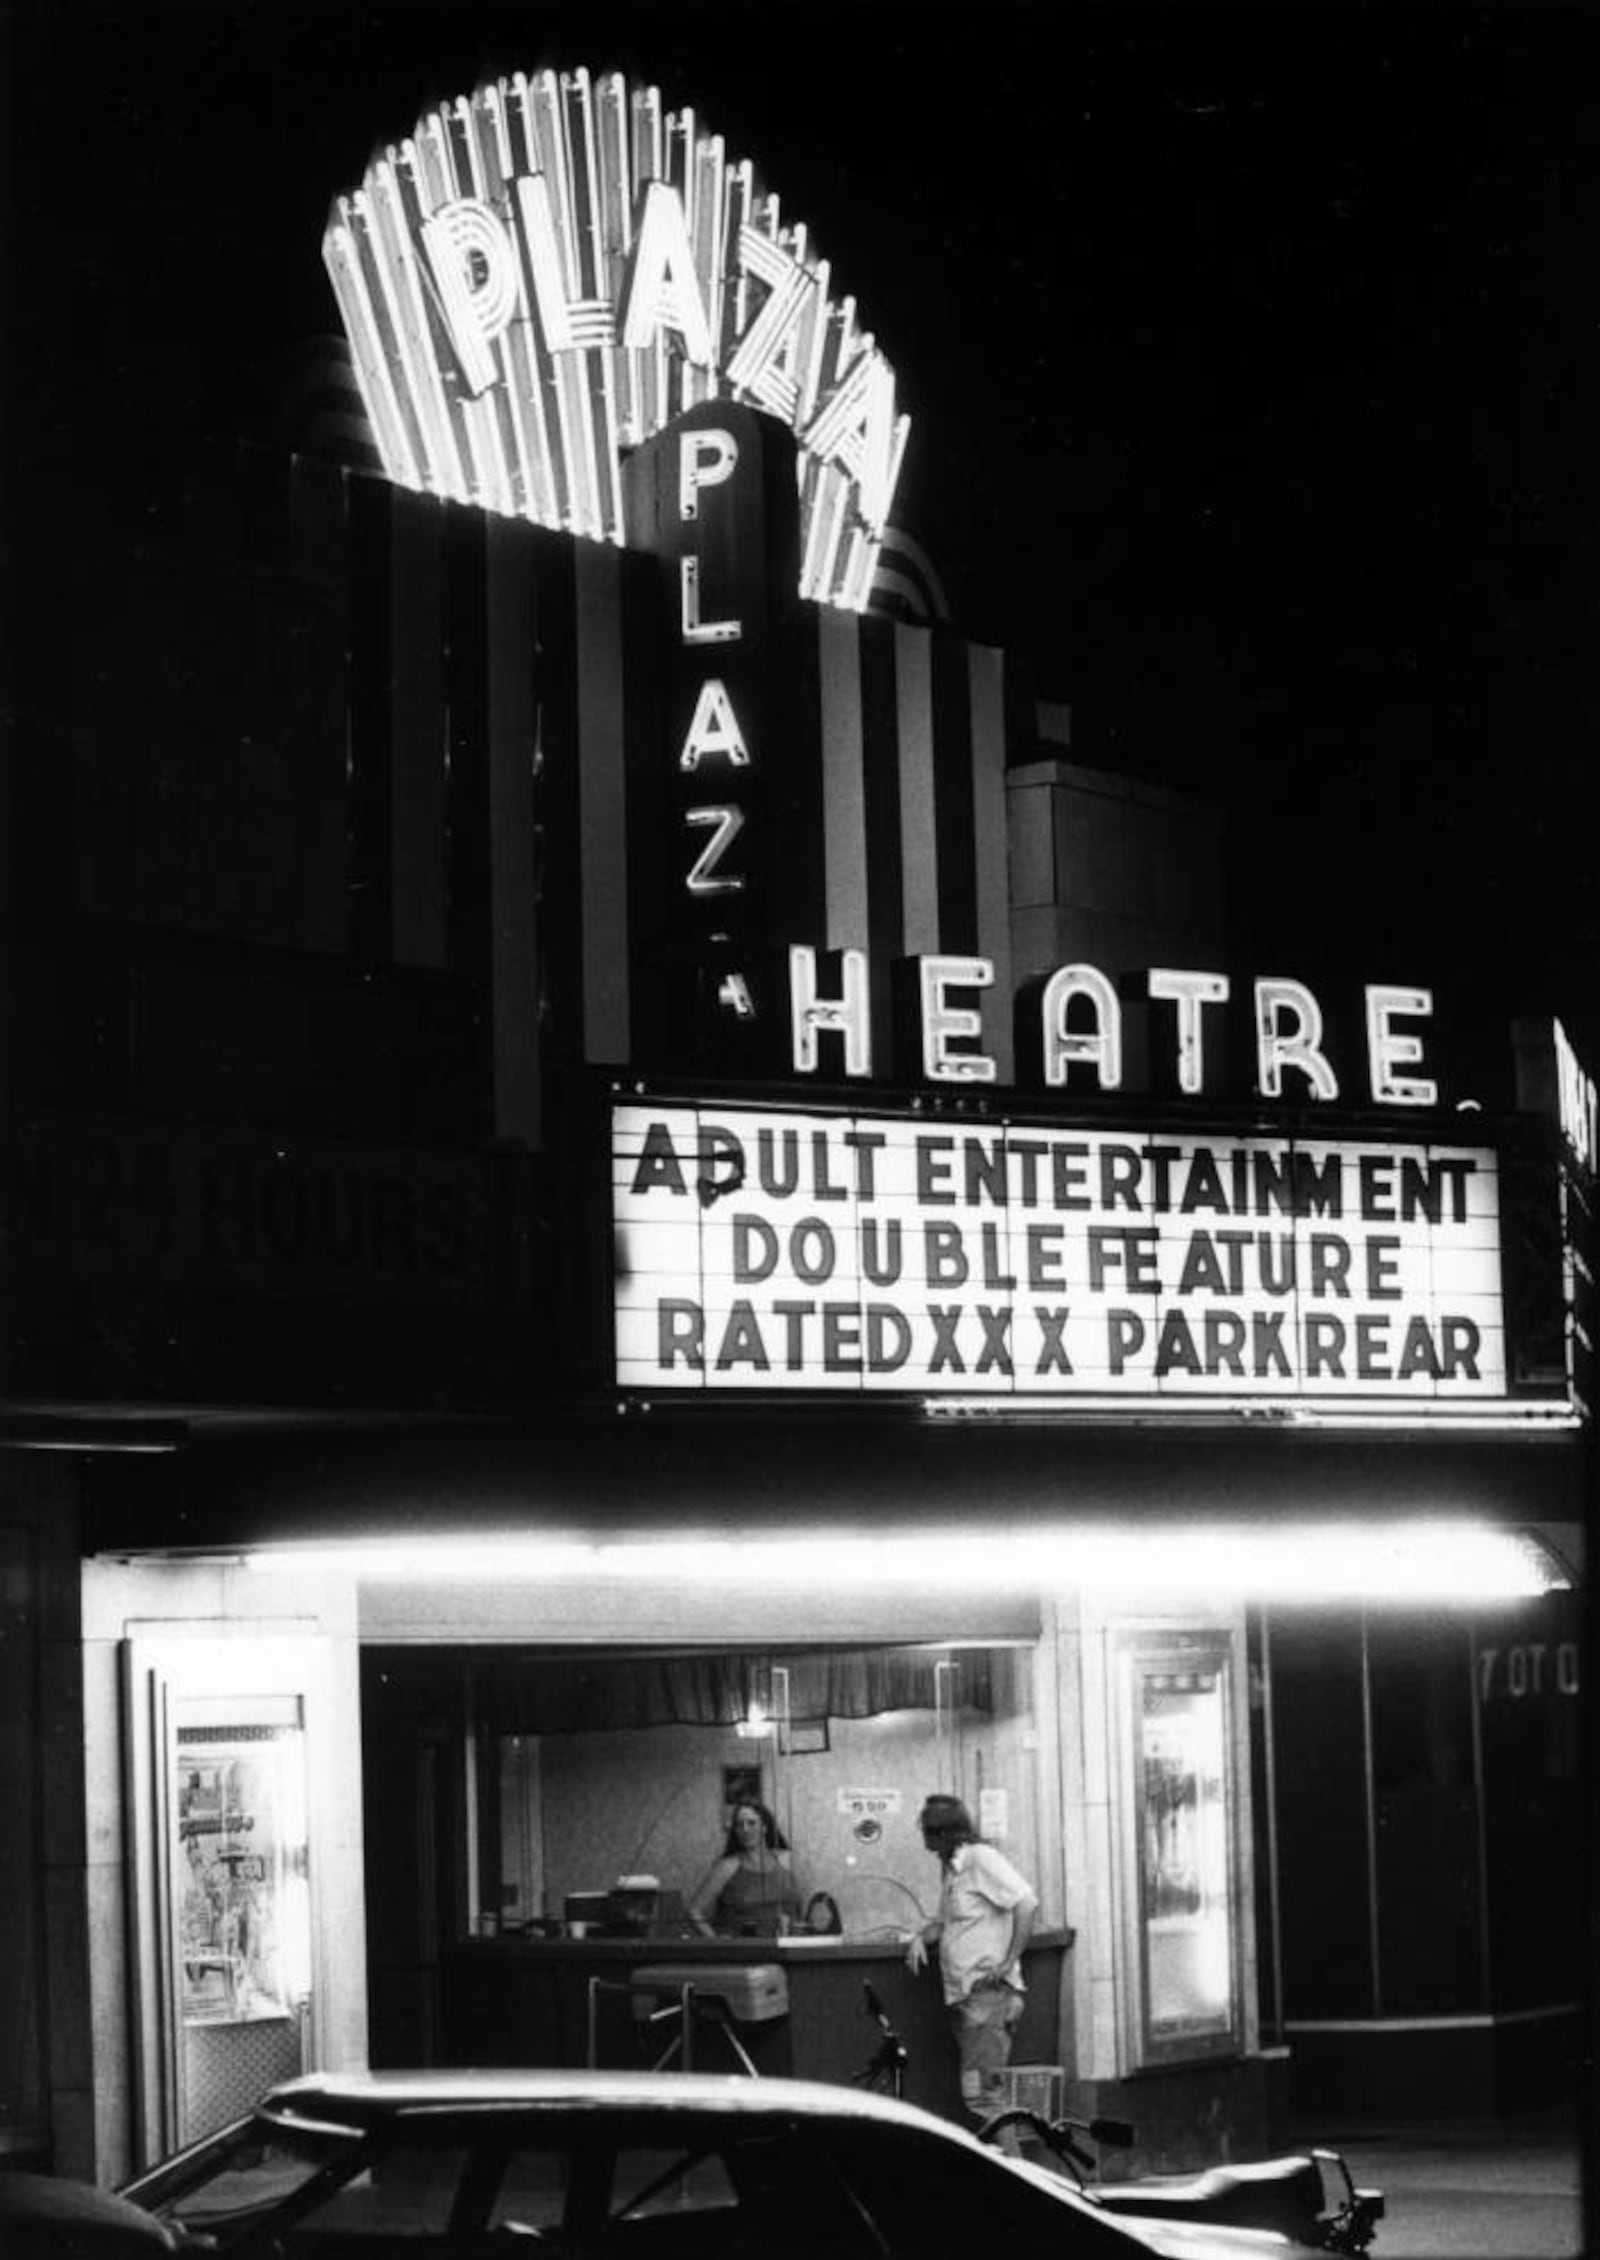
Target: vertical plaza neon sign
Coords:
[[543, 275]]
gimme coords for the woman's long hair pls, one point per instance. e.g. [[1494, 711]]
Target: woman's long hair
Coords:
[[772, 1835]]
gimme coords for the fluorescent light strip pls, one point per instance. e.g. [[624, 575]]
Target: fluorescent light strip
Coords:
[[1388, 1563], [1496, 1415]]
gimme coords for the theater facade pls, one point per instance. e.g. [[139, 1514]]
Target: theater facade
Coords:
[[634, 1185]]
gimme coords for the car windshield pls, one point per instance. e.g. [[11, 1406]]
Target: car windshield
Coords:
[[220, 2191]]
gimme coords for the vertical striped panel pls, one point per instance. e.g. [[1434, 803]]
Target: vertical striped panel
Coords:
[[318, 503], [844, 792], [919, 845], [881, 796], [659, 1021], [513, 937], [368, 752], [466, 691], [321, 908], [602, 839], [986, 691], [559, 878], [416, 734], [952, 789], [793, 805]]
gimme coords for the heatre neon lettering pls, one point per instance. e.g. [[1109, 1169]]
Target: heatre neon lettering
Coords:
[[1292, 1058]]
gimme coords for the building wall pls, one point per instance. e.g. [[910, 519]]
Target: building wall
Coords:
[[1110, 871], [261, 948], [47, 2075]]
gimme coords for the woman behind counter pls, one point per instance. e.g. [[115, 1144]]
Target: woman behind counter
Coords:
[[750, 1891]]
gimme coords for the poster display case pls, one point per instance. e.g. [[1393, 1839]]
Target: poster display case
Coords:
[[239, 1867], [1181, 1886], [228, 1970]]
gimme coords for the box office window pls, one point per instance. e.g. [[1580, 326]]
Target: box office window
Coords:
[[558, 1774], [1178, 1848], [590, 1769]]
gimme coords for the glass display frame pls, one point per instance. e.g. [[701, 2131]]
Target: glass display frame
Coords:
[[1181, 1870], [240, 1860]]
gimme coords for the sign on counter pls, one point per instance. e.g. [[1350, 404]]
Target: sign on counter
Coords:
[[869, 1804]]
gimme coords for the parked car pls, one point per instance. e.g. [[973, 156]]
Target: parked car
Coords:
[[609, 2165], [45, 2218]]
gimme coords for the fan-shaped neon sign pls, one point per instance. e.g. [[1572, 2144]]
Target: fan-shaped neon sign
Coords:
[[545, 273]]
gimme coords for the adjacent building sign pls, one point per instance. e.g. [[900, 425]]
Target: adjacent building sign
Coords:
[[1577, 1105], [1552, 1081], [223, 1209], [543, 275], [825, 1252]]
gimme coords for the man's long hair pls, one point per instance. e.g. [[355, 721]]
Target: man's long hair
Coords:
[[946, 1823]]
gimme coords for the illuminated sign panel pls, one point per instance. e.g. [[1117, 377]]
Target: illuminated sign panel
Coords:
[[1577, 1104], [788, 1250], [544, 275]]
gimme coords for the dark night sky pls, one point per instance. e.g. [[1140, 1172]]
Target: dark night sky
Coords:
[[1254, 359]]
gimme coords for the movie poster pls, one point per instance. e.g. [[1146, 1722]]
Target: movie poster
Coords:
[[240, 1875]]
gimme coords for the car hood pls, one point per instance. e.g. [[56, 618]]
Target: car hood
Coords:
[[1211, 2240], [1173, 2239]]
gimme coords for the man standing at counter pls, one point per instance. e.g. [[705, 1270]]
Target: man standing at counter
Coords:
[[985, 1920]]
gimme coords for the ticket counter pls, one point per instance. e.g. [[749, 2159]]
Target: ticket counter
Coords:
[[538, 1781], [528, 2001]]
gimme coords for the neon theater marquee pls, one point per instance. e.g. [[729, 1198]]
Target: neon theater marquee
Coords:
[[544, 275], [540, 280]]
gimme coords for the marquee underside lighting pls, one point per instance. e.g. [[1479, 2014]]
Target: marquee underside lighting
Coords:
[[544, 274], [1497, 1416], [1433, 1563]]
